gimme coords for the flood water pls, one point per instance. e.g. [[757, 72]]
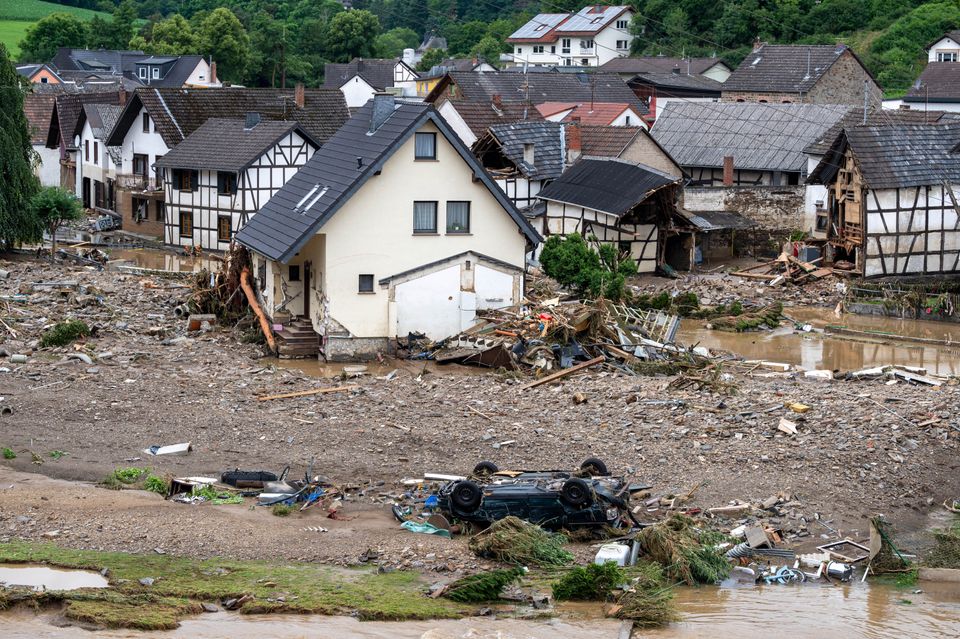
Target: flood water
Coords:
[[44, 578], [162, 260], [832, 352]]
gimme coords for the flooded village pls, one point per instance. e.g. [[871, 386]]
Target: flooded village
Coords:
[[663, 347]]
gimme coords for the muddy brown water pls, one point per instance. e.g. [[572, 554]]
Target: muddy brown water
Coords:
[[848, 611], [45, 578], [824, 351], [162, 260]]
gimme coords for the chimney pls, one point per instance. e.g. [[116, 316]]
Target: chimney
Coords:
[[383, 107], [757, 44], [728, 170], [573, 139], [497, 102], [298, 95], [122, 96], [675, 70], [213, 72]]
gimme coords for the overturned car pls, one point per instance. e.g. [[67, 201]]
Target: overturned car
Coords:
[[553, 499]]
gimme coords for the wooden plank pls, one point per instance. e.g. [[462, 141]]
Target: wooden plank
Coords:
[[806, 266], [563, 373], [754, 276], [315, 391]]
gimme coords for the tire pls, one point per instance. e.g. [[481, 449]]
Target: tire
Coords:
[[466, 496], [485, 469], [576, 492], [594, 467]]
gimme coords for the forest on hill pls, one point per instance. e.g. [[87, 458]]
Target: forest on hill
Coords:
[[265, 42]]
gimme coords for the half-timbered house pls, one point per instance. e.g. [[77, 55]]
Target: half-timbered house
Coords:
[[893, 198], [616, 202], [221, 174]]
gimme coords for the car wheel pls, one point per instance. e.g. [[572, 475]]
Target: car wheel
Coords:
[[466, 496], [485, 468], [576, 492], [594, 467]]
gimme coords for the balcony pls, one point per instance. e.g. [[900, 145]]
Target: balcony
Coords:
[[138, 182]]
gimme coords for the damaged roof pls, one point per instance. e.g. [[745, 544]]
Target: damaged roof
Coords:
[[896, 156], [763, 137], [339, 169], [606, 184], [547, 141], [67, 111], [377, 72], [226, 144], [875, 117], [480, 116], [785, 68]]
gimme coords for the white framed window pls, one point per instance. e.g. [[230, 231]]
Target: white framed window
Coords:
[[565, 45], [553, 48], [586, 44], [623, 24], [622, 45], [156, 73], [519, 50], [946, 56], [458, 217], [538, 48], [142, 72], [365, 284]]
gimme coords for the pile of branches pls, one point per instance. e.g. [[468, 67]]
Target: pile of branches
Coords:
[[675, 544], [483, 586], [219, 293], [514, 541]]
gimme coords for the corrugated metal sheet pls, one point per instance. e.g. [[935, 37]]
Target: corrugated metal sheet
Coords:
[[607, 185], [764, 137]]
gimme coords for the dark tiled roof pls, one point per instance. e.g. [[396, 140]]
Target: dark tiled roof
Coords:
[[38, 109], [102, 118], [784, 68], [378, 73], [765, 137], [225, 144], [608, 185], [876, 117], [939, 82], [179, 112], [660, 64], [331, 177], [540, 87], [124, 63], [671, 80], [480, 116], [897, 156], [67, 113], [547, 147], [606, 141]]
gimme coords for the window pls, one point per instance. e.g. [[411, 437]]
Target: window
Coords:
[[553, 48], [584, 62], [458, 217], [161, 211], [156, 73], [226, 183], [186, 224], [96, 152], [947, 57], [425, 146], [86, 150], [586, 44], [142, 72], [626, 120], [424, 217], [43, 80], [146, 122], [223, 228], [565, 45], [622, 45], [293, 273], [366, 284], [538, 48], [140, 162], [519, 50], [185, 180], [623, 24]]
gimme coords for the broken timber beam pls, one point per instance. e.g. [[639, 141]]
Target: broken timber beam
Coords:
[[252, 300], [315, 391], [754, 276], [563, 373]]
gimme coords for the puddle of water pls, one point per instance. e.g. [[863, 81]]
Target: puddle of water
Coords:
[[163, 260], [44, 578], [823, 351]]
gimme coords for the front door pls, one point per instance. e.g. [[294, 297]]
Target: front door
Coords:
[[307, 293], [86, 193]]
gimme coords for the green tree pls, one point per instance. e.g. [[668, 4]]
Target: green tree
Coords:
[[222, 36], [352, 34], [18, 183], [391, 44], [52, 31], [489, 50], [51, 208], [431, 58], [461, 38], [99, 35], [121, 27], [173, 36], [577, 265]]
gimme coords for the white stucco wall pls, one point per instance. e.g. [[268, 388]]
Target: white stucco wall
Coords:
[[449, 112], [944, 45], [137, 141], [373, 234], [814, 193], [49, 168], [200, 76], [357, 92]]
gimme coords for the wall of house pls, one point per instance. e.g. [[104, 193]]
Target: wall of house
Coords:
[[357, 92], [843, 83], [773, 97], [911, 231], [44, 76], [564, 219], [521, 191], [448, 110], [813, 194], [628, 118], [200, 76], [373, 234], [777, 210], [48, 171], [643, 150], [605, 42], [98, 168], [137, 141], [944, 46], [713, 176], [255, 186]]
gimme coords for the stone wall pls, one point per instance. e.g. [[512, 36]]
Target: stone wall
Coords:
[[773, 97]]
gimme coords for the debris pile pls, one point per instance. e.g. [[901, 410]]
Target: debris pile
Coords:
[[514, 541], [786, 268], [676, 544]]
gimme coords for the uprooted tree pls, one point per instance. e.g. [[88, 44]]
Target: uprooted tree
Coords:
[[588, 271], [53, 207]]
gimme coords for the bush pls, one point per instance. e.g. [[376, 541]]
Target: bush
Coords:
[[481, 587], [591, 583], [128, 475], [281, 510], [9, 454], [63, 333], [156, 484], [585, 270]]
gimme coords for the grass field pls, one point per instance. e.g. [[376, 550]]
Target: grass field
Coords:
[[17, 15]]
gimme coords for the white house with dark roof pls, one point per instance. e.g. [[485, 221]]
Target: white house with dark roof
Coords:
[[360, 79], [946, 49], [221, 174], [588, 38], [393, 227], [97, 163]]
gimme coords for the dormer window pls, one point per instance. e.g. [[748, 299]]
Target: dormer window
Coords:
[[156, 73], [142, 72]]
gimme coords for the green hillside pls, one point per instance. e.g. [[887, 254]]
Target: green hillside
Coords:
[[17, 15]]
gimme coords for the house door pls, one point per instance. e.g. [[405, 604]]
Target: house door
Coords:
[[307, 293], [86, 193]]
